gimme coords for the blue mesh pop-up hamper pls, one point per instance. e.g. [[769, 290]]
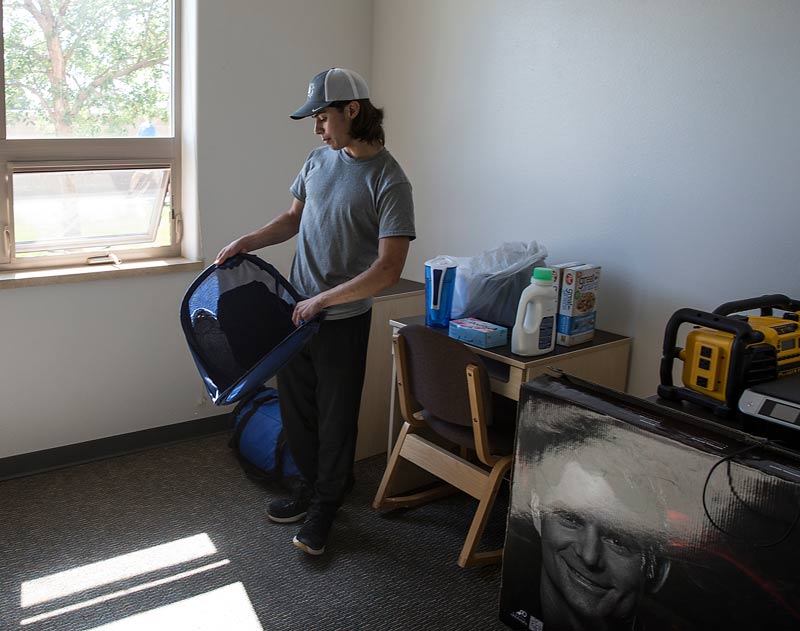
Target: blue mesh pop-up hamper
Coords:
[[237, 319]]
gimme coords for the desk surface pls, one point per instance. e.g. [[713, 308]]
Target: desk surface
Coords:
[[504, 354], [604, 360], [787, 436], [401, 287]]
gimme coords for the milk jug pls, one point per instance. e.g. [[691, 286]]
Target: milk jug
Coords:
[[534, 331]]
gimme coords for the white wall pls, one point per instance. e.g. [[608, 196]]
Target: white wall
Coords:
[[89, 360], [256, 59], [658, 139]]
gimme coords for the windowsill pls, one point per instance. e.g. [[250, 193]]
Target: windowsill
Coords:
[[36, 277]]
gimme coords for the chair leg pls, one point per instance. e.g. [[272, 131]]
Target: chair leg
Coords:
[[417, 499], [413, 499], [468, 556], [391, 467]]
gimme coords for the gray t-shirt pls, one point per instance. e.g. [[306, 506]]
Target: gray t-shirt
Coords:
[[349, 204]]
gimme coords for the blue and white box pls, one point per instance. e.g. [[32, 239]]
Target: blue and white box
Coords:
[[478, 332], [578, 305]]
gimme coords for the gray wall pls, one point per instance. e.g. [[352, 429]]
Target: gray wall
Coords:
[[658, 139]]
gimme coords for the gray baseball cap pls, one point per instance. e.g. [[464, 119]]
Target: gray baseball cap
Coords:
[[335, 84]]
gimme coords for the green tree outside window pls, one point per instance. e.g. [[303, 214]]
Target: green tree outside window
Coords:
[[86, 68]]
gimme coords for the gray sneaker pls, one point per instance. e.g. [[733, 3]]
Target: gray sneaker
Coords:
[[287, 511], [314, 533]]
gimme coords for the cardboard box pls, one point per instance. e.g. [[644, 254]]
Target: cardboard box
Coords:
[[577, 308], [478, 332], [558, 277], [612, 490]]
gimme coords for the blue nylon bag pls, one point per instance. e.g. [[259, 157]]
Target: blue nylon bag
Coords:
[[259, 439], [237, 320]]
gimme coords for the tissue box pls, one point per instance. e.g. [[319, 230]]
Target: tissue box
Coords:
[[478, 332]]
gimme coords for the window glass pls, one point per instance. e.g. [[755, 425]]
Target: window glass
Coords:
[[88, 145], [84, 211], [87, 68]]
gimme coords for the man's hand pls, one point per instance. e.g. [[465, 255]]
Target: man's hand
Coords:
[[307, 309], [384, 272], [232, 249]]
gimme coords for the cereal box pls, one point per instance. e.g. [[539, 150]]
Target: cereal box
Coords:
[[577, 307], [558, 277], [478, 332]]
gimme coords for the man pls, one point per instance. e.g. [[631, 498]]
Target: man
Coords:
[[353, 214], [598, 557]]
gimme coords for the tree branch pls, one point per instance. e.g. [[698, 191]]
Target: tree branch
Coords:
[[37, 93], [86, 92], [40, 14]]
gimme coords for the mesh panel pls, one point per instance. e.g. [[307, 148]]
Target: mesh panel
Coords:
[[237, 319]]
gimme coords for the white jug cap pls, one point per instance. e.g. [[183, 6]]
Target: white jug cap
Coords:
[[441, 262]]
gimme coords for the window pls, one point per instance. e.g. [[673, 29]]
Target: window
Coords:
[[88, 147]]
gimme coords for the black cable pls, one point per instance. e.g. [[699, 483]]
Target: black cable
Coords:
[[728, 459]]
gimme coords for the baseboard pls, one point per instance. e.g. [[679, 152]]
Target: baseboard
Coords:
[[80, 453]]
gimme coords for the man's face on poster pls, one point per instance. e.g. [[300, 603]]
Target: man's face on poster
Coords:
[[590, 564]]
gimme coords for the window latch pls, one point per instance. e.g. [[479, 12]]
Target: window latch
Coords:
[[105, 259]]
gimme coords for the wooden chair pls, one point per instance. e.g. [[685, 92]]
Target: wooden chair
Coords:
[[443, 386]]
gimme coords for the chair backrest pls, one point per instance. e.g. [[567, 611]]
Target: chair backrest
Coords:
[[437, 374]]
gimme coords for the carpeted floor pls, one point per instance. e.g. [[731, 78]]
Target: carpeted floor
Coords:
[[75, 553]]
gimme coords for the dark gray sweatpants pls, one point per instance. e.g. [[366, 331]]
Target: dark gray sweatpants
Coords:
[[320, 396]]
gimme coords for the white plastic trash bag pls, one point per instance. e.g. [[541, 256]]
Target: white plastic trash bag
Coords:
[[488, 286]]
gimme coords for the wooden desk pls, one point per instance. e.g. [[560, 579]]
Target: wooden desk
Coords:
[[604, 360], [406, 298]]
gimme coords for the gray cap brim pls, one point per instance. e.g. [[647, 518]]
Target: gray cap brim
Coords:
[[309, 109]]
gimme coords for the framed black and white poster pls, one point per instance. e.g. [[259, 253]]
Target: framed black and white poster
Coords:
[[625, 516]]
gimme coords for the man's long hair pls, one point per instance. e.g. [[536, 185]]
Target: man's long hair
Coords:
[[368, 123]]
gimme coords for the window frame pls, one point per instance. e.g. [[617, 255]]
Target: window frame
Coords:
[[59, 154]]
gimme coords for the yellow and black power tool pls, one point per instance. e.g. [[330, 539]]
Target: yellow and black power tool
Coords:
[[727, 353]]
